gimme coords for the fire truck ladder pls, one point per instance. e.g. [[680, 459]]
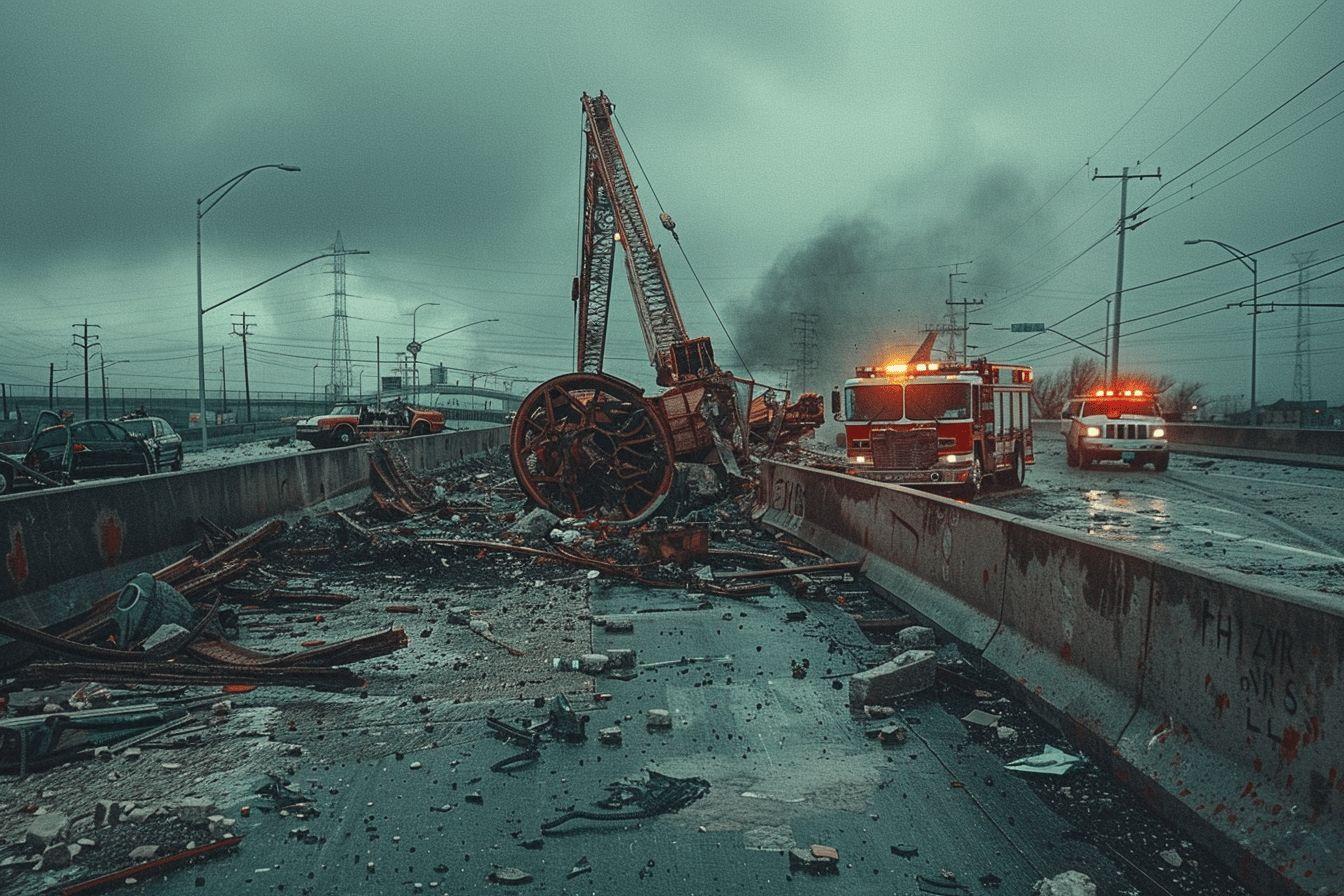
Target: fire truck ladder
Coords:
[[611, 201]]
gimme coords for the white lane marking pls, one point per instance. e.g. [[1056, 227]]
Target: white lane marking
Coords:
[[1244, 539], [1307, 485]]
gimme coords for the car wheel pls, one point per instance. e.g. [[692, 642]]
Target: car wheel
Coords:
[[345, 436], [177, 461], [421, 428], [1161, 461], [6, 480]]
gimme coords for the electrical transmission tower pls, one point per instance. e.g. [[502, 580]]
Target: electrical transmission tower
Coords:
[[342, 373], [1302, 357], [804, 349]]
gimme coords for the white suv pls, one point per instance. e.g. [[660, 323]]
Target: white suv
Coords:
[[1121, 425]]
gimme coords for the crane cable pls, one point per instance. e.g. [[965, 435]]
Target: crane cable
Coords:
[[677, 239]]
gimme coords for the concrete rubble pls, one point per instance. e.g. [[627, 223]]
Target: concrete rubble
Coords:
[[435, 685]]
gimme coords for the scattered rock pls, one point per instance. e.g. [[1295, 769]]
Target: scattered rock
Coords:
[[46, 830], [610, 735], [509, 876], [914, 637], [1171, 857], [536, 523], [702, 483], [144, 853], [1068, 883], [1007, 733], [658, 718], [59, 856], [193, 810]]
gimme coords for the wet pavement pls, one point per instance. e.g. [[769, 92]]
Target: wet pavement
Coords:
[[1284, 522], [390, 789]]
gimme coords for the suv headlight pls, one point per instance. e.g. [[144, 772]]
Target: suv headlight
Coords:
[[1159, 433], [949, 458], [1093, 432]]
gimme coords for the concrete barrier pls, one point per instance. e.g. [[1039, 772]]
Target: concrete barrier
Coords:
[[1218, 697], [55, 535]]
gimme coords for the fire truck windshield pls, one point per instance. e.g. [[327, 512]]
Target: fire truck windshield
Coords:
[[875, 402], [938, 401], [1118, 405]]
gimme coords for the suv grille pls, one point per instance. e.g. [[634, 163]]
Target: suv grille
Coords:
[[905, 449], [1126, 430]]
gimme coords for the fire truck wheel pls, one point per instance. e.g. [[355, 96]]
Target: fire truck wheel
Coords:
[[1015, 475], [1160, 463], [971, 490], [344, 436], [1070, 456]]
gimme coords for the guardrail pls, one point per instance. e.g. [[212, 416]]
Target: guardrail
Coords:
[[57, 534], [1218, 697]]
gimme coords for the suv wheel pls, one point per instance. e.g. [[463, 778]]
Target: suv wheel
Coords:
[[344, 436], [1070, 455], [1161, 461], [420, 428]]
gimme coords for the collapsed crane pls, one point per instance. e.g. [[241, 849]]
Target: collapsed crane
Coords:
[[588, 444]]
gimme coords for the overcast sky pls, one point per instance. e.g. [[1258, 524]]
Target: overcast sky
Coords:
[[826, 158]]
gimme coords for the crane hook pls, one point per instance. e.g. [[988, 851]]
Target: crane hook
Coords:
[[669, 224]]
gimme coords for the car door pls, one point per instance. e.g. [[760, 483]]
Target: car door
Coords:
[[169, 440], [88, 449], [125, 453]]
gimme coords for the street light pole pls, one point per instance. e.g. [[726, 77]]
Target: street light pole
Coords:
[[315, 366], [201, 211], [414, 347], [1249, 262]]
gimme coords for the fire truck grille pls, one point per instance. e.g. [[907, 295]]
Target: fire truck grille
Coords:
[[1126, 430], [909, 449]]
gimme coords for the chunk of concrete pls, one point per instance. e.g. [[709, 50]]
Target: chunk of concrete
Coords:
[[144, 853], [909, 673], [914, 637], [536, 523], [592, 662], [59, 856], [658, 718], [1068, 883], [195, 810], [46, 829], [611, 735]]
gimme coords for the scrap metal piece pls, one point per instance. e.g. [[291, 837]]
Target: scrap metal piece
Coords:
[[148, 869]]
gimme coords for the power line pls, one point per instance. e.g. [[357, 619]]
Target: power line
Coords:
[[1238, 80], [1243, 132]]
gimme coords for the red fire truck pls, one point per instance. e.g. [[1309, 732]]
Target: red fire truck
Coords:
[[943, 426]]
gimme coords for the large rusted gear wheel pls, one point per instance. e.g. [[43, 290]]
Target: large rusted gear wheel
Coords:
[[591, 445]]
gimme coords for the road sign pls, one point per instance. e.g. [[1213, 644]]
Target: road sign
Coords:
[[413, 347], [1028, 328]]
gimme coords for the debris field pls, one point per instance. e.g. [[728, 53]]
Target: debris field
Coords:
[[434, 687]]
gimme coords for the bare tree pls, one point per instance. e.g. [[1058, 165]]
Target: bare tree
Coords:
[[1053, 390], [1181, 399]]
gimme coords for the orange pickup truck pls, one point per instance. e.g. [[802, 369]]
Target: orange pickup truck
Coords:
[[349, 423]]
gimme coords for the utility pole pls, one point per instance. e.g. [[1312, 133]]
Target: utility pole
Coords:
[[378, 367], [241, 329], [965, 305], [223, 383], [84, 341], [51, 385], [1123, 225], [1302, 358], [804, 348], [952, 276], [102, 377]]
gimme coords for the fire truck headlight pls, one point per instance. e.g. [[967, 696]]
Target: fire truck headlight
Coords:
[[949, 458], [1093, 432], [1159, 433], [860, 459]]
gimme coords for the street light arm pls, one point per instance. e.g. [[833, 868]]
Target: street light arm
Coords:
[[281, 274], [231, 183], [492, 320], [1247, 260]]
